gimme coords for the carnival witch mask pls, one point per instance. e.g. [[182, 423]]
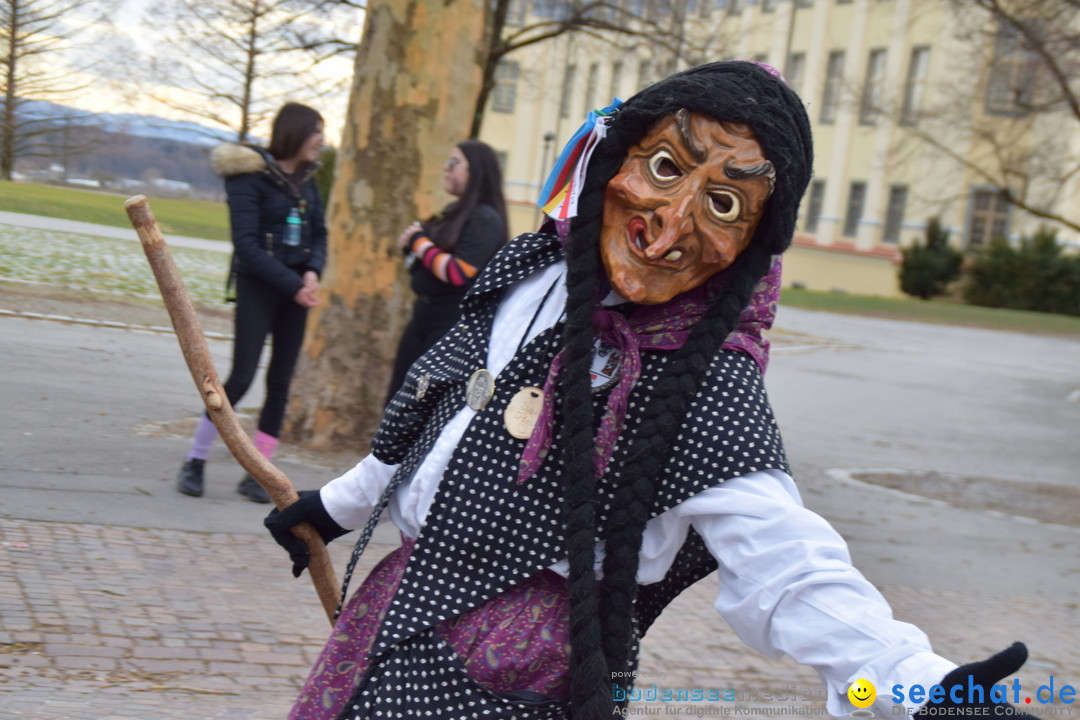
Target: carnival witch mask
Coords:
[[684, 204]]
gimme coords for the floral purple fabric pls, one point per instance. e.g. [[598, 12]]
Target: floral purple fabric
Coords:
[[344, 658], [518, 641], [759, 315]]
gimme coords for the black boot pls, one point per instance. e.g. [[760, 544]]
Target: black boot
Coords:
[[191, 477], [252, 490]]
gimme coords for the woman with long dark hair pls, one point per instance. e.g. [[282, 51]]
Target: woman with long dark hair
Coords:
[[279, 250], [447, 251]]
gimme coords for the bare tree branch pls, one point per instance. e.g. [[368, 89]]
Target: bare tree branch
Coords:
[[606, 21], [233, 62], [39, 61]]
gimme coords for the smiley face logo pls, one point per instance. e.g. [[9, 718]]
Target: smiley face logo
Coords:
[[862, 693]]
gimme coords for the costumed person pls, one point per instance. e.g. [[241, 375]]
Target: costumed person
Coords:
[[594, 437], [447, 251], [279, 250]]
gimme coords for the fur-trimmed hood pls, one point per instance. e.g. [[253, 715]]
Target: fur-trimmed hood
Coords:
[[233, 159]]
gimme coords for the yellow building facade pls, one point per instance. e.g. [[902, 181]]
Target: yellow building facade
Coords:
[[900, 94]]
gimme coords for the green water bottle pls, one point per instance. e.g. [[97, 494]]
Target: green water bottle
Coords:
[[292, 228]]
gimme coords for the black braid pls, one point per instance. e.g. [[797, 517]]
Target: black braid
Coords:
[[589, 673], [652, 442], [601, 627]]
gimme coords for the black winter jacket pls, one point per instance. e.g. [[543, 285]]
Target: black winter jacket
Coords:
[[260, 197], [483, 233]]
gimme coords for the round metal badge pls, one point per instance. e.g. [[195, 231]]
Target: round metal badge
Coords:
[[480, 389]]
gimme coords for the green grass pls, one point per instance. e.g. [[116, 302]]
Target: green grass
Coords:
[[105, 265], [933, 311], [191, 218], [29, 254]]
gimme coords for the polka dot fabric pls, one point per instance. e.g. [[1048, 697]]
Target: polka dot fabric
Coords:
[[485, 533], [423, 678], [447, 366]]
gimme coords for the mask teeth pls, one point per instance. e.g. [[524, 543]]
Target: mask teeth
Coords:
[[673, 255]]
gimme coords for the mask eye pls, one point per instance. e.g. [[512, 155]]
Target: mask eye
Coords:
[[663, 168], [724, 205]]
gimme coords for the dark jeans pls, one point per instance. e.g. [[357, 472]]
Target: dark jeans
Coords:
[[263, 310], [431, 319]]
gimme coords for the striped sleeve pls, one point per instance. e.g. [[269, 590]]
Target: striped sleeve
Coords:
[[443, 265]]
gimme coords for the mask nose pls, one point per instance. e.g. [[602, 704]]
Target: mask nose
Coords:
[[674, 221]]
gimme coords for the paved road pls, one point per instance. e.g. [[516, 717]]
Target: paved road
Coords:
[[120, 598]]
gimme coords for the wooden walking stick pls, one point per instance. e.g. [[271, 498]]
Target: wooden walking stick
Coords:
[[193, 344]]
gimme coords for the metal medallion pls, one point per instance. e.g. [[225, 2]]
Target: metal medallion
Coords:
[[422, 385], [523, 411], [606, 366], [480, 389]]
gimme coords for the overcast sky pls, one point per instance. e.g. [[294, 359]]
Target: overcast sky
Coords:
[[134, 21]]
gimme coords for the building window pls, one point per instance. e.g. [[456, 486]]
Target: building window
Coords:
[[894, 214], [616, 79], [989, 218], [873, 91], [856, 200], [515, 13], [768, 6], [644, 75], [567, 90], [804, 3], [555, 9], [834, 76], [915, 85], [795, 70], [735, 7], [654, 9], [813, 206], [1012, 73], [591, 82], [504, 94]]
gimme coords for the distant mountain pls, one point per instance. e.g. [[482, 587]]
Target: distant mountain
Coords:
[[147, 126], [119, 152]]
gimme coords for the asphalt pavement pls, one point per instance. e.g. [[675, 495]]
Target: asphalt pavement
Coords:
[[121, 599]]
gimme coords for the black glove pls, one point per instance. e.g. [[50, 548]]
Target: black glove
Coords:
[[308, 509], [985, 673]]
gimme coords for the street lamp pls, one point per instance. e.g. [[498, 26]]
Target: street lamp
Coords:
[[549, 138]]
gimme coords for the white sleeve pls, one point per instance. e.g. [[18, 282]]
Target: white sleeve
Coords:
[[787, 586], [350, 499]]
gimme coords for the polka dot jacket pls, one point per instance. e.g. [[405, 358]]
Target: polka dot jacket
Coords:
[[485, 533]]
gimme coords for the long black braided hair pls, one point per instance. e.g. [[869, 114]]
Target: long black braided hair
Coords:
[[602, 613]]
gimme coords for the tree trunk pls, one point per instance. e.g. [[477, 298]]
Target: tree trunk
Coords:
[[7, 121], [418, 70]]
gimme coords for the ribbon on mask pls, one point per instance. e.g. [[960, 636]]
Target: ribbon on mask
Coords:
[[559, 197]]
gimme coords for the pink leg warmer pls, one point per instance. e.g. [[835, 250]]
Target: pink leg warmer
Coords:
[[265, 444]]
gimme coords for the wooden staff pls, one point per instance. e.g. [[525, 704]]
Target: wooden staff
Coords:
[[193, 344]]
